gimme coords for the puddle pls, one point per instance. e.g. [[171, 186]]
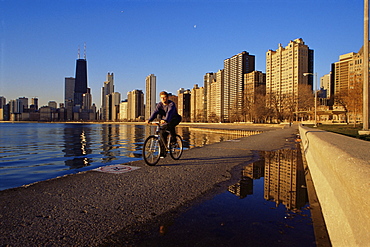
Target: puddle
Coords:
[[267, 207]]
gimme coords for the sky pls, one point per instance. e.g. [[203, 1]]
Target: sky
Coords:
[[177, 40]]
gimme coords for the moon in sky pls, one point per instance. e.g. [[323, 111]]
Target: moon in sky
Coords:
[[195, 26]]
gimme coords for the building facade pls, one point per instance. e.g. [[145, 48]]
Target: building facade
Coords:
[[197, 113], [69, 89], [285, 80], [183, 106], [234, 70], [135, 108], [107, 89], [80, 81], [215, 98]]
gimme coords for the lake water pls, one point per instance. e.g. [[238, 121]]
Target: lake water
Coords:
[[32, 152]]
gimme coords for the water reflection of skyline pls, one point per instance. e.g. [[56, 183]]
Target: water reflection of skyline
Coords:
[[284, 178], [38, 151], [84, 144], [76, 146]]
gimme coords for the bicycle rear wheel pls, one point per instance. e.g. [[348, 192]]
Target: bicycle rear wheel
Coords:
[[176, 148], [151, 150]]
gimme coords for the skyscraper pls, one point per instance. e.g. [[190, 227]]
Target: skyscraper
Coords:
[[80, 79], [197, 104], [107, 89], [69, 89], [183, 104], [135, 104], [114, 101], [234, 70], [150, 94]]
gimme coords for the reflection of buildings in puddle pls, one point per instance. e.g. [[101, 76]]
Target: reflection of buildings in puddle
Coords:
[[245, 186], [284, 179]]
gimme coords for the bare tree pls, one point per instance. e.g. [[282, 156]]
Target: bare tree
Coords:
[[355, 100], [341, 98], [306, 100], [259, 112]]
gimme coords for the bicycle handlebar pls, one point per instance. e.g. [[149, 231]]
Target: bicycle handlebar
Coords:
[[157, 123]]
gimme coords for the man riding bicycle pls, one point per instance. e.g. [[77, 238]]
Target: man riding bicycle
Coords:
[[167, 111]]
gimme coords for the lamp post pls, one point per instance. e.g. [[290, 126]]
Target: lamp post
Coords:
[[365, 116], [315, 85]]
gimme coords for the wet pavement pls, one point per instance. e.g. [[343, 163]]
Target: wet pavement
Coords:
[[132, 209], [268, 206]]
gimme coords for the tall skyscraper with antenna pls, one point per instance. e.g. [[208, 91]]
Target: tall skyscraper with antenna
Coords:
[[80, 78]]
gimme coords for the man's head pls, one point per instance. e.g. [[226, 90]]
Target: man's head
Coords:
[[164, 97]]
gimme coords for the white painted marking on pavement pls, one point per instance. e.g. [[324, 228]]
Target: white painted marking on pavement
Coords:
[[116, 169]]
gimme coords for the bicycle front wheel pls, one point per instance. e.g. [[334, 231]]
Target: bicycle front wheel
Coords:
[[151, 150], [176, 148]]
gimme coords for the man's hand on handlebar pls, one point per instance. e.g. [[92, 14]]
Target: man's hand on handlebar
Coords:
[[160, 122]]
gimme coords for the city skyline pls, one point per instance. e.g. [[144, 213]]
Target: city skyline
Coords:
[[177, 41]]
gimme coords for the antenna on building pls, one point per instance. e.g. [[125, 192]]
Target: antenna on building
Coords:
[[85, 50], [78, 53]]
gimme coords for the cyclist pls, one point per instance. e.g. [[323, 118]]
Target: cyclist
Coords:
[[167, 111]]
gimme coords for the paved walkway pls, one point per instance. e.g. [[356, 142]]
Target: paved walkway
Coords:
[[94, 208]]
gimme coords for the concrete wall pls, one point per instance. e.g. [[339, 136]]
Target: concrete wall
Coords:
[[340, 170]]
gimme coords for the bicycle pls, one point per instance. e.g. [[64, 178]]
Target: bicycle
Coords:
[[154, 147]]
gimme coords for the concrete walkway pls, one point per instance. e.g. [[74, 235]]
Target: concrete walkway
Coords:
[[94, 208]]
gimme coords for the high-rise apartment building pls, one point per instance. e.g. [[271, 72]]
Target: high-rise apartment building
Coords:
[[234, 70], [150, 94], [254, 84], [285, 70], [197, 104], [347, 72], [135, 107], [123, 109], [215, 97], [208, 80], [183, 106], [347, 77], [344, 72]]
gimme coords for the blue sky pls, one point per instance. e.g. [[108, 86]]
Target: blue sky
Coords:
[[177, 40]]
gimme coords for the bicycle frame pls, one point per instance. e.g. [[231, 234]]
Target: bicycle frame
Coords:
[[157, 134], [155, 146]]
